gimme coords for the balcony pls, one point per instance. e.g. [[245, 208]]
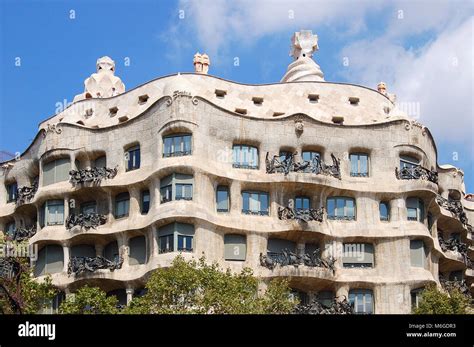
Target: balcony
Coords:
[[78, 265], [301, 215], [460, 285], [316, 307], [286, 258], [94, 175], [416, 173], [453, 206], [315, 166], [86, 221], [455, 245], [25, 194], [24, 233]]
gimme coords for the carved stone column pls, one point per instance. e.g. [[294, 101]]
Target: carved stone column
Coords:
[[129, 292], [67, 256], [154, 241]]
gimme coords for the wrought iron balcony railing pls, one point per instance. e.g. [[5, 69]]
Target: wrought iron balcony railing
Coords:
[[315, 166], [25, 194], [255, 213], [23, 233], [348, 218], [9, 268], [316, 307], [176, 154], [456, 246], [244, 166], [416, 173], [460, 285], [303, 215], [286, 258], [453, 206], [94, 175], [78, 265], [86, 221]]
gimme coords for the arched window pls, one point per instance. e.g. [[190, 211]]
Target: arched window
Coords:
[[138, 250], [122, 205], [359, 164], [235, 247], [384, 211], [56, 171], [409, 162], [50, 260], [254, 202], [245, 157], [132, 158], [177, 145], [176, 237], [415, 209], [362, 301]]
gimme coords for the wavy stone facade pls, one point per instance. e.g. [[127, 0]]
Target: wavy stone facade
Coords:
[[166, 216]]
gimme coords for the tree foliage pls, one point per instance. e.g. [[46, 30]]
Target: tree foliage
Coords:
[[89, 300], [434, 301], [21, 293], [189, 287]]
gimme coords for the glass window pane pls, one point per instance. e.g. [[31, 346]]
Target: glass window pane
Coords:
[[298, 203], [263, 202], [350, 210], [363, 164], [187, 143], [222, 199], [245, 201], [167, 145], [354, 163], [254, 202], [236, 155], [244, 155], [331, 207], [188, 191], [340, 203], [306, 204]]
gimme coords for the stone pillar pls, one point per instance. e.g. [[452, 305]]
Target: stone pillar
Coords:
[[38, 218], [122, 243], [342, 291], [66, 208], [99, 250], [72, 157], [256, 244], [67, 256], [154, 241], [134, 201], [398, 210], [110, 200], [129, 292]]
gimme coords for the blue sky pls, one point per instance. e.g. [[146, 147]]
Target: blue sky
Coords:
[[422, 49]]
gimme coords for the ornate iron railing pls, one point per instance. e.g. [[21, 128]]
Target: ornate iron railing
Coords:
[[86, 221], [315, 166], [303, 215], [286, 258], [26, 194], [316, 307], [456, 246], [244, 166], [78, 265], [95, 175], [460, 285], [9, 268], [453, 206], [255, 213], [416, 173], [176, 154], [24, 233], [349, 218]]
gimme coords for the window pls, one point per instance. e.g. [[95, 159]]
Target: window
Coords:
[[417, 253], [132, 158], [176, 237], [10, 229], [235, 247], [100, 162], [416, 297], [222, 197], [326, 298], [302, 203], [275, 247], [176, 145], [314, 158], [384, 211], [122, 205], [245, 157], [415, 209], [145, 201], [111, 252], [359, 165], [176, 187], [52, 213], [87, 251], [362, 301], [358, 255], [89, 207], [138, 250], [50, 260], [408, 162], [341, 208], [255, 203], [56, 171], [12, 190], [51, 306]]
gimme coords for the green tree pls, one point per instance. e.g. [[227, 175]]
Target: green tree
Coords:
[[434, 301], [197, 287], [89, 300], [20, 293]]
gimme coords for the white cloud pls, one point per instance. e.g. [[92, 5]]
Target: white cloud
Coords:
[[438, 75]]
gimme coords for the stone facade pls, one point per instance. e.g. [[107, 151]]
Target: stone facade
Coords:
[[299, 116]]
